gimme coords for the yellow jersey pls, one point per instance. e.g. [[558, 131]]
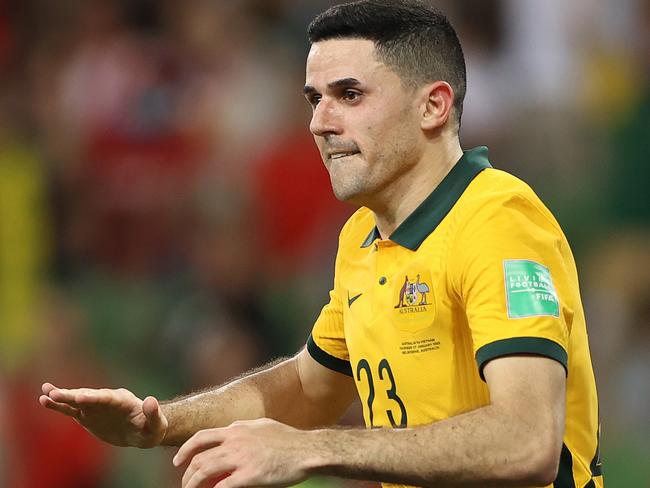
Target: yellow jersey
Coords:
[[480, 270]]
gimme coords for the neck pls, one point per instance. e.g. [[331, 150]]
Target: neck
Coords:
[[411, 189]]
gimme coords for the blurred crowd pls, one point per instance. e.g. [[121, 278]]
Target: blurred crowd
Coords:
[[166, 222]]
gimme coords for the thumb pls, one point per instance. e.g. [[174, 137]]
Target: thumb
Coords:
[[153, 413]]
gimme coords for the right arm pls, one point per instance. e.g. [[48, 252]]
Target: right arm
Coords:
[[298, 391]]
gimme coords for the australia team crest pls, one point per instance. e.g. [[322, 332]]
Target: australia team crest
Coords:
[[414, 302], [413, 293]]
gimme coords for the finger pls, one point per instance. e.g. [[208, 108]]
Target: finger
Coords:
[[104, 396], [206, 477], [47, 388], [202, 440], [152, 411], [62, 395], [63, 408], [196, 479], [80, 397], [155, 418], [206, 468]]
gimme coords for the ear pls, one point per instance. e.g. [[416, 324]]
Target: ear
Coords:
[[437, 105]]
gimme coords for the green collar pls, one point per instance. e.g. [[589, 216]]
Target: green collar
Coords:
[[424, 219]]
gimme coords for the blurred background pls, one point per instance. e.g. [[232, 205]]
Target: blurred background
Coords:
[[166, 222]]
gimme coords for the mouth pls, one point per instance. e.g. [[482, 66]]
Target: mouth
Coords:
[[341, 155]]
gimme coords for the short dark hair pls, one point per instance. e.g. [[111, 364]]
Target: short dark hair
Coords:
[[414, 39]]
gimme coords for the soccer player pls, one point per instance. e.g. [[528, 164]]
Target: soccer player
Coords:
[[455, 313]]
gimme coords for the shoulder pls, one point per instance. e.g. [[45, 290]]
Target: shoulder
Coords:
[[496, 194]]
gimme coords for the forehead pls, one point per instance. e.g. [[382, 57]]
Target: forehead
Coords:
[[342, 58]]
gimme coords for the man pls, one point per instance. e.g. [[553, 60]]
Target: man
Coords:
[[485, 381]]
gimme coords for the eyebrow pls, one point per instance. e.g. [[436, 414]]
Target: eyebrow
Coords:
[[308, 89]]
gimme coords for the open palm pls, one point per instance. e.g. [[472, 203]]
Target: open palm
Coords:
[[114, 416]]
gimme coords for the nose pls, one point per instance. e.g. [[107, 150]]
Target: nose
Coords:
[[324, 119]]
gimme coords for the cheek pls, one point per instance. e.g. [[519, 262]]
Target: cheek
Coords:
[[320, 142], [397, 144], [388, 123], [386, 131]]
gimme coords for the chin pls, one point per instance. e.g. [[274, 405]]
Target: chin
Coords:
[[341, 195], [346, 187], [348, 195]]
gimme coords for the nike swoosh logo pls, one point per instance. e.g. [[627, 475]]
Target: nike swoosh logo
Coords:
[[351, 300]]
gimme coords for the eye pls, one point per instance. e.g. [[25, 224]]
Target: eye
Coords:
[[314, 100], [351, 95]]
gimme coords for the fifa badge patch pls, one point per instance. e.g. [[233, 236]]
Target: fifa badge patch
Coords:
[[529, 289]]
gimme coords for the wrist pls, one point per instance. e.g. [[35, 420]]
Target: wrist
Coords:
[[167, 436], [319, 456], [316, 457]]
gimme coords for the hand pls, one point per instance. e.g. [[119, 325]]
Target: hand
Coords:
[[115, 416], [251, 453]]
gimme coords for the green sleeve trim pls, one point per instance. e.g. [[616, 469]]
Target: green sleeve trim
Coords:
[[327, 360], [564, 477], [520, 345]]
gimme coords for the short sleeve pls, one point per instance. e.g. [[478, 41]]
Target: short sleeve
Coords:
[[509, 269], [326, 343]]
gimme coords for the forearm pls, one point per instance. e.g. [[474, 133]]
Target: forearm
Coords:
[[485, 447], [273, 391]]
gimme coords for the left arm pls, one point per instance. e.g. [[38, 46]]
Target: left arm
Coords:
[[514, 441]]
